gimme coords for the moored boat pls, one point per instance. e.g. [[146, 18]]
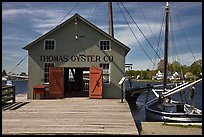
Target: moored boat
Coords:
[[162, 107]]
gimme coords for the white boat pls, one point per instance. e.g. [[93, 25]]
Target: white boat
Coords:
[[4, 79], [162, 107], [9, 83]]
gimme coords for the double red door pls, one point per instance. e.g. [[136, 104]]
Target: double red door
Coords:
[[56, 82]]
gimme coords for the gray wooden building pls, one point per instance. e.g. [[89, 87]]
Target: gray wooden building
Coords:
[[76, 58]]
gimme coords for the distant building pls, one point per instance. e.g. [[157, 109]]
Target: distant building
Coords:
[[128, 67], [160, 76]]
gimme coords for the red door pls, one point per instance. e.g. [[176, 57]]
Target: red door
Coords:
[[95, 83], [56, 82]]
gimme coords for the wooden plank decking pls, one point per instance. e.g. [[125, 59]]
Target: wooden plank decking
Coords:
[[80, 116]]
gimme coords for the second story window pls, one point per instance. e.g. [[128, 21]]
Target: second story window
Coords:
[[104, 45], [49, 44]]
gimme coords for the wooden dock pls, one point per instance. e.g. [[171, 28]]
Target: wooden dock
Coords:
[[68, 116]]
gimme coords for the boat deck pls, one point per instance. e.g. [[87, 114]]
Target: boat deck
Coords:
[[68, 116]]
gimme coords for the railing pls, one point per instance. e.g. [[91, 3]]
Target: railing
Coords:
[[8, 93]]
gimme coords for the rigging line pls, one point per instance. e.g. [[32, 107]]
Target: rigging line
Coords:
[[160, 33], [184, 34], [95, 12], [17, 64], [150, 30], [68, 13], [141, 31], [135, 35], [147, 22], [175, 49], [89, 14]]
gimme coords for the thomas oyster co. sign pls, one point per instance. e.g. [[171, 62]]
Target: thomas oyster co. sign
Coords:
[[76, 58]]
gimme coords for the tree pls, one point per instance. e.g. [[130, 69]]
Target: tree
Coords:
[[175, 66], [4, 73], [160, 65], [196, 68]]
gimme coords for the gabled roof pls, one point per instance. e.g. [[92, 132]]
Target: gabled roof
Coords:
[[85, 21]]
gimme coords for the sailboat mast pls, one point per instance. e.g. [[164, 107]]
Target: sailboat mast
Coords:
[[110, 19], [166, 47]]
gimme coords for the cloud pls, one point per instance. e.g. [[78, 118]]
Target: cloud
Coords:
[[23, 22]]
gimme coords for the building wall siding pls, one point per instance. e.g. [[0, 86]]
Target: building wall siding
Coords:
[[86, 44]]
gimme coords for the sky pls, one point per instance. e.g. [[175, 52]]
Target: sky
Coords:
[[24, 22]]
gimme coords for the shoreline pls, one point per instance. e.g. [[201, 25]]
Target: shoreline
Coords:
[[147, 80]]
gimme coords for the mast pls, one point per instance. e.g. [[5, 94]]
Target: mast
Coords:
[[110, 19], [166, 47]]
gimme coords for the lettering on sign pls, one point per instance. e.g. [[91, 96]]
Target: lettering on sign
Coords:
[[76, 58]]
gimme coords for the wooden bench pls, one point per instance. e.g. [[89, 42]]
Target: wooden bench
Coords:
[[8, 93]]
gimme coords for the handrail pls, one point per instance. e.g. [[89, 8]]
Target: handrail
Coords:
[[167, 92], [193, 83], [8, 93]]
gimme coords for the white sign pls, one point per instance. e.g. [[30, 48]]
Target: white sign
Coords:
[[122, 80]]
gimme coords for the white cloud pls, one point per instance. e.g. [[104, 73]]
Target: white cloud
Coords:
[[45, 16]]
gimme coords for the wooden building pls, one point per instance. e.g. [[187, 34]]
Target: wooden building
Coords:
[[76, 58]]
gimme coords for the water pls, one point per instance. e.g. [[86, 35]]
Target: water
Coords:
[[139, 112], [21, 86]]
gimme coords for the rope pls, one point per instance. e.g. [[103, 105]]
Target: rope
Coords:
[[158, 45], [141, 31], [135, 35], [95, 12], [175, 47], [17, 64], [184, 35], [68, 13]]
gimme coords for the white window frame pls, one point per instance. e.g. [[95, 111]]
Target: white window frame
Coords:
[[103, 45], [109, 79], [50, 40], [46, 72]]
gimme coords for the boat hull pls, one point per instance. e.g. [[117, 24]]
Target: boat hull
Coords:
[[156, 115]]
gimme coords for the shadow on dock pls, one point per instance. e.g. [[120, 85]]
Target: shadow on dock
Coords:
[[13, 106]]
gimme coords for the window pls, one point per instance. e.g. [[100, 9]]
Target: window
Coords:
[[49, 44], [104, 45], [106, 73], [46, 71]]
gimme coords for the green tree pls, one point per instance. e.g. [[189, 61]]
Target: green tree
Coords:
[[131, 73], [196, 68], [175, 67]]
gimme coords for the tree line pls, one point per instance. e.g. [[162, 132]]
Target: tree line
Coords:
[[194, 71]]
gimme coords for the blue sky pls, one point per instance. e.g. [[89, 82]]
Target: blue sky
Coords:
[[23, 22]]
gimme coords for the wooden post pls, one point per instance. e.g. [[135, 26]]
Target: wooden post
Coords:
[[166, 48], [14, 94], [111, 19], [122, 93]]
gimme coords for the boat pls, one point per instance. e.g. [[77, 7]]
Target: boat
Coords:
[[163, 107], [133, 93], [9, 83]]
